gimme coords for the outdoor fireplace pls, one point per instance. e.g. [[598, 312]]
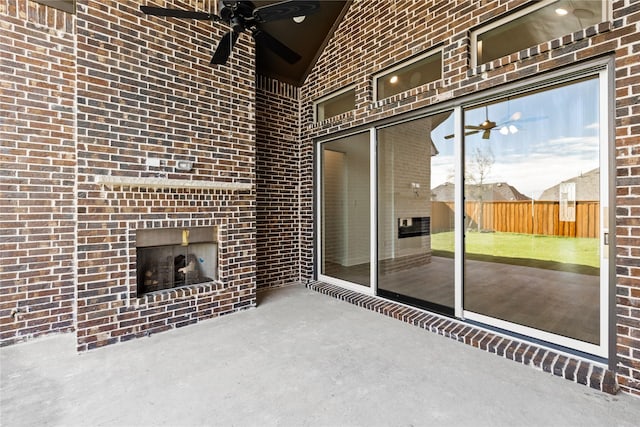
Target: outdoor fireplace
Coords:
[[173, 257]]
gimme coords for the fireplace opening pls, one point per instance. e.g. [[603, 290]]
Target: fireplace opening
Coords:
[[172, 257]]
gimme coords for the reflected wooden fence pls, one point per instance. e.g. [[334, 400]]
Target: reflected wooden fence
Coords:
[[524, 216]]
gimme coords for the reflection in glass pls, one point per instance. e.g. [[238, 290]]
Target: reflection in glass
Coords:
[[336, 105], [532, 210], [407, 77], [415, 223], [346, 209], [547, 23]]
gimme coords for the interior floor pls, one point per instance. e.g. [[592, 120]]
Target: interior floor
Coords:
[[560, 302], [359, 274]]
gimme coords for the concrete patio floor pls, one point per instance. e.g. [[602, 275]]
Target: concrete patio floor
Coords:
[[300, 359]]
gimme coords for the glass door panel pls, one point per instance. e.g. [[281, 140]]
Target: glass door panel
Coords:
[[345, 203], [415, 212], [532, 203]]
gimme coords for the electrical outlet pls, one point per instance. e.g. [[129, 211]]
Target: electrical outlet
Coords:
[[153, 162], [184, 165]]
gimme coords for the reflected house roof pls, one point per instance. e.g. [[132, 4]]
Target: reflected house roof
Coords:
[[587, 187], [495, 191]]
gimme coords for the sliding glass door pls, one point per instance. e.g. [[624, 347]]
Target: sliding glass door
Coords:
[[345, 204], [494, 210], [416, 212], [532, 211]]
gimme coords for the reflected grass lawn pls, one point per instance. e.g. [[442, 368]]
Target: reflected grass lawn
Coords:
[[567, 250]]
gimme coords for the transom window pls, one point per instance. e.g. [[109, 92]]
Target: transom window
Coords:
[[541, 22], [417, 72], [335, 104], [65, 5]]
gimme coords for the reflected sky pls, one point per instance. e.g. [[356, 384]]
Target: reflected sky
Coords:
[[556, 138]]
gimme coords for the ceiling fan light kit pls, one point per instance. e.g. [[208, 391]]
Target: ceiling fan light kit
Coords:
[[243, 16], [504, 128]]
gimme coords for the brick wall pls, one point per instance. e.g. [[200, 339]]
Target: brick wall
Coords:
[[627, 122], [37, 170], [146, 89], [371, 38], [277, 186], [142, 87]]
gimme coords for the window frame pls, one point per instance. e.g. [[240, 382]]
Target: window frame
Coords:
[[512, 16], [332, 95], [403, 64], [68, 6]]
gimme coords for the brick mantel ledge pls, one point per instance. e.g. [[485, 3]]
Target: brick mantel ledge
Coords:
[[129, 181]]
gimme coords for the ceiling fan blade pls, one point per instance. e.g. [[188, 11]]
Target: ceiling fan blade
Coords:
[[473, 132], [284, 10], [474, 127], [223, 50], [283, 51], [176, 13]]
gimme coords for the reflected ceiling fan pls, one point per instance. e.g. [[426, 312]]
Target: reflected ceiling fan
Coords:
[[244, 16], [487, 126]]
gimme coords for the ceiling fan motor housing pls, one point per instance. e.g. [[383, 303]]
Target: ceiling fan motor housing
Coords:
[[236, 14], [241, 16], [237, 24]]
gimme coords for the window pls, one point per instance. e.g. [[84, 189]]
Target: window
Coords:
[[65, 5], [335, 104], [406, 76], [531, 26]]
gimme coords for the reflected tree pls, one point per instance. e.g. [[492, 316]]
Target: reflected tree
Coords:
[[477, 170]]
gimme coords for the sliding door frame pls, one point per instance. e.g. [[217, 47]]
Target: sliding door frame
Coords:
[[319, 262], [603, 69]]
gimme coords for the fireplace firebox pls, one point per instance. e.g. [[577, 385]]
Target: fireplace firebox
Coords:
[[172, 257]]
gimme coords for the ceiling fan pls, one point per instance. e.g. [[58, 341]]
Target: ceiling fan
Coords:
[[244, 16], [487, 126]]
